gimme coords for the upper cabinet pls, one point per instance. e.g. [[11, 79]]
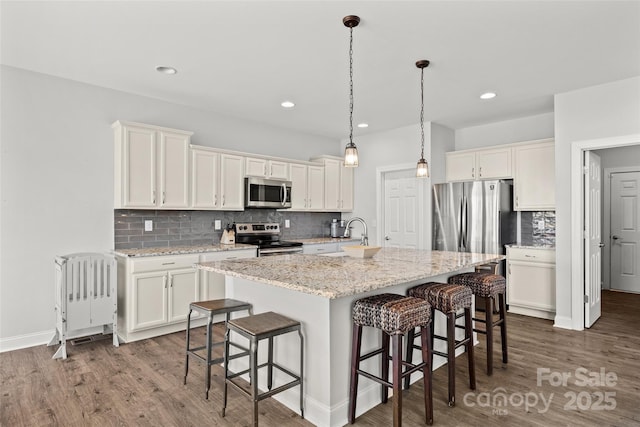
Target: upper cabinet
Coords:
[[265, 168], [307, 187], [151, 167], [338, 185], [494, 163], [216, 180], [535, 179], [231, 182]]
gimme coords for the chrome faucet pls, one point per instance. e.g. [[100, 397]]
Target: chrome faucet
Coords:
[[364, 240]]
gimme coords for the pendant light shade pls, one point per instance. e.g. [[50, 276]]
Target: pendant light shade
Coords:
[[351, 151], [422, 170]]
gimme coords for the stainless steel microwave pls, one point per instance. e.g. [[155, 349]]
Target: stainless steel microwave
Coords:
[[267, 193]]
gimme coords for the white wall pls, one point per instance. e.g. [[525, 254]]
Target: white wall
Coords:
[[57, 179], [619, 157], [442, 140], [505, 132], [603, 111]]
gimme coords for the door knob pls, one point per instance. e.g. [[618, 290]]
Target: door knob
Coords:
[[601, 245], [387, 238], [615, 237]]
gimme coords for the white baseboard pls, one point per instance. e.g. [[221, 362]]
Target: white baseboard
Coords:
[[563, 322], [24, 341]]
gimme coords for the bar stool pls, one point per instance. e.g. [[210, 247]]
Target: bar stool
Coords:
[[394, 315], [210, 309], [488, 286], [255, 328], [448, 299]]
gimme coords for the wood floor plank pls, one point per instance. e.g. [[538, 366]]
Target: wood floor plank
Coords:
[[140, 384]]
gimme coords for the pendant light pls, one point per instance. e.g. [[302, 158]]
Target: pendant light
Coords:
[[422, 170], [351, 151]]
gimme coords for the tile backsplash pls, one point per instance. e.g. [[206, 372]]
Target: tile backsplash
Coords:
[[177, 228], [538, 228]]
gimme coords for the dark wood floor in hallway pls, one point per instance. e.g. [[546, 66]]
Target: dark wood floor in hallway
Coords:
[[140, 384]]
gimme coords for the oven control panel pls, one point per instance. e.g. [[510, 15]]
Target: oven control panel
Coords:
[[258, 228]]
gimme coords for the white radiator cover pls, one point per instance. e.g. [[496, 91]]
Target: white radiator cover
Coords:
[[85, 296]]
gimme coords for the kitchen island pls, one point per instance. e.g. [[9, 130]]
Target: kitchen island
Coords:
[[318, 290]]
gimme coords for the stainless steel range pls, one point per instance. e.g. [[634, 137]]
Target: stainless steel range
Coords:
[[267, 236]]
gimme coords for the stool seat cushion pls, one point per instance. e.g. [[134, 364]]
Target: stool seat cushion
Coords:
[[444, 297], [394, 314], [482, 284]]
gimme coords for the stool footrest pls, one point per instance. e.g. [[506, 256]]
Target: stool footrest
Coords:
[[264, 395]]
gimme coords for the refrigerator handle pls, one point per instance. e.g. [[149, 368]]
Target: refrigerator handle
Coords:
[[463, 225]]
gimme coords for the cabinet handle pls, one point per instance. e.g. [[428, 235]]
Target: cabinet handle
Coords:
[[271, 173], [168, 263], [529, 256], [163, 197], [473, 172], [305, 203], [223, 200], [516, 201], [215, 199], [164, 281], [154, 197], [309, 202], [480, 171]]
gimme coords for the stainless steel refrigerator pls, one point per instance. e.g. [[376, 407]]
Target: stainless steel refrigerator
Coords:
[[473, 216]]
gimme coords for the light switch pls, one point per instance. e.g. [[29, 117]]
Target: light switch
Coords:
[[148, 225], [287, 223], [217, 224]]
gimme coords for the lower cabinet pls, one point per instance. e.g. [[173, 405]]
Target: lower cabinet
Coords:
[[154, 292], [531, 281]]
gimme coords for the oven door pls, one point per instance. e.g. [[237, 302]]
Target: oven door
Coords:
[[267, 193]]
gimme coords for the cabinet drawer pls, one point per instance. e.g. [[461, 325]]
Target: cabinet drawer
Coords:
[[323, 248], [163, 263], [532, 255], [224, 255]]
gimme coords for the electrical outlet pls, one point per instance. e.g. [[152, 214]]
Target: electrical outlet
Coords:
[[541, 224], [217, 224], [287, 223], [148, 225]]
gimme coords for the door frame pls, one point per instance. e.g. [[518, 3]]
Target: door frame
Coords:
[[606, 220], [577, 219], [424, 208]]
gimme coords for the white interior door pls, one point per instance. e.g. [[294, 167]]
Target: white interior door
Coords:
[[593, 238], [403, 210], [625, 234]]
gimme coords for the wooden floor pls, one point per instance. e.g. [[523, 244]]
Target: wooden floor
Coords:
[[140, 384]]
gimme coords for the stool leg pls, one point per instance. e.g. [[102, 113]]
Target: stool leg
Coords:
[[432, 335], [468, 335], [427, 357], [301, 372], [356, 337], [253, 366], [411, 336], [186, 357], [385, 366], [489, 328], [503, 327], [451, 356], [209, 322], [226, 369], [397, 379], [270, 364]]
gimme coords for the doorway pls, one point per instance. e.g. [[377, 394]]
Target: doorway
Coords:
[[580, 216]]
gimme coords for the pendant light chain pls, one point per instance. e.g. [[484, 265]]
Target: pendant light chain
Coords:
[[422, 113], [351, 85]]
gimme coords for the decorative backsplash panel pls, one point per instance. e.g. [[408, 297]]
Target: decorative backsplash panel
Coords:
[[178, 228], [538, 228]]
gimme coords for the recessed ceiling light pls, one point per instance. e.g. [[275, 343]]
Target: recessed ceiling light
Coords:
[[166, 70], [363, 125], [288, 104], [488, 95]]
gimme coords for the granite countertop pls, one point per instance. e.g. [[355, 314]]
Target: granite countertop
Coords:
[[319, 240], [335, 277], [180, 250], [517, 246]]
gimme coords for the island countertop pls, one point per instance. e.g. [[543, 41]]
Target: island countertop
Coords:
[[339, 276]]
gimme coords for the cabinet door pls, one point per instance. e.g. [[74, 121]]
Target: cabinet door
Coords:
[[174, 170], [315, 193], [346, 190], [460, 166], [332, 185], [255, 167], [278, 169], [148, 300], [139, 167], [534, 179], [183, 290], [204, 179], [494, 164], [231, 182], [532, 285], [298, 176]]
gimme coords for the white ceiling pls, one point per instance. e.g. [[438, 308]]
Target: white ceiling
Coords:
[[242, 58]]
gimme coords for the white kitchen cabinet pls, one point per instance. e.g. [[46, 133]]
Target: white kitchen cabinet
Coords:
[[307, 187], [494, 163], [265, 168], [212, 284], [205, 179], [151, 167], [154, 294], [531, 281], [338, 185], [534, 180], [231, 182]]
